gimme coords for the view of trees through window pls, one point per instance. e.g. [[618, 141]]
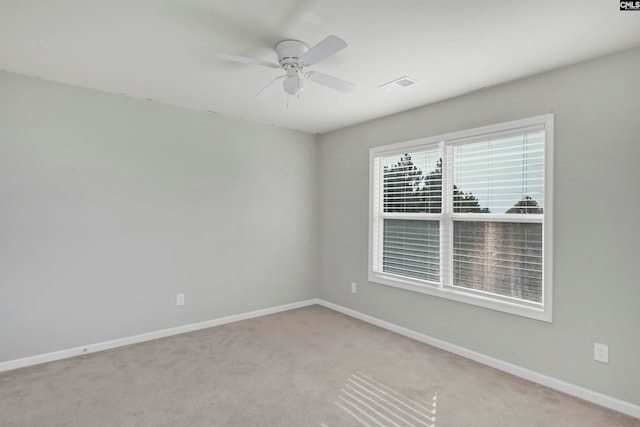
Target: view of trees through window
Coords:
[[503, 258]]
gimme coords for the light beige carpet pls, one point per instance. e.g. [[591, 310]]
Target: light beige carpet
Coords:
[[306, 367]]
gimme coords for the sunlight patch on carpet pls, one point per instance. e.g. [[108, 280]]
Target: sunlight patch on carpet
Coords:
[[373, 403]]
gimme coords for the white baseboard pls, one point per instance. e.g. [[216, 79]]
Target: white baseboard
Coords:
[[572, 389], [106, 345]]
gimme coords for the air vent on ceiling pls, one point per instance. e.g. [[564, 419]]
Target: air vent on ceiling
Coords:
[[398, 83]]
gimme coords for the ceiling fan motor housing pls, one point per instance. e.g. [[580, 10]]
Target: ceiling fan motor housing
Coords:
[[289, 53]]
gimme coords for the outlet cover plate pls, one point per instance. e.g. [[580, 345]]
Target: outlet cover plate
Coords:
[[601, 352]]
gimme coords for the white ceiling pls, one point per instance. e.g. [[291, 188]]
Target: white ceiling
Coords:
[[163, 49]]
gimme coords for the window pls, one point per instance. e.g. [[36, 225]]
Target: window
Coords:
[[467, 216]]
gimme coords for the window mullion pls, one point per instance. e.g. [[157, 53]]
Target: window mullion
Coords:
[[446, 223]]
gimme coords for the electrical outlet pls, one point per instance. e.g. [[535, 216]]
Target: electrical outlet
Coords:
[[601, 352], [354, 287], [180, 299]]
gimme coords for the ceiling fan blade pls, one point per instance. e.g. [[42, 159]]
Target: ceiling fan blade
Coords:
[[331, 82], [325, 48], [245, 60], [272, 88]]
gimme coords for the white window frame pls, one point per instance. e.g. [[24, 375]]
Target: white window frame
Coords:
[[444, 289]]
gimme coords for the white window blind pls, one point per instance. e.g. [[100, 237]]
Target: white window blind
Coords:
[[465, 216], [407, 218], [412, 248], [412, 183], [501, 172], [501, 258], [500, 177]]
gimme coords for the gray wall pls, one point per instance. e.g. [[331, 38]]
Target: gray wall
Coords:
[[597, 229], [110, 206]]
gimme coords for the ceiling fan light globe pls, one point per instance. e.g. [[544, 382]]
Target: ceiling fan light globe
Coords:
[[293, 85]]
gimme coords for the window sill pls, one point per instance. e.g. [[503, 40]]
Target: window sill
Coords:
[[505, 305]]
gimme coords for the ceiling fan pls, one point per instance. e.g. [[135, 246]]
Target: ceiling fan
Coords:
[[293, 57]]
